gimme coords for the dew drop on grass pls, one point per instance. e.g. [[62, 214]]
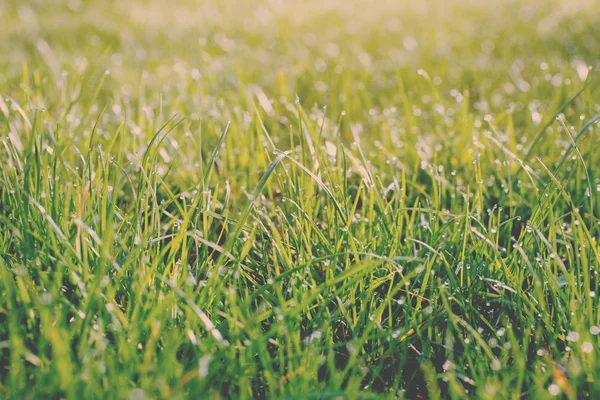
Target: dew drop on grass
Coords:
[[541, 352], [203, 365], [447, 365], [496, 364], [553, 389], [587, 347]]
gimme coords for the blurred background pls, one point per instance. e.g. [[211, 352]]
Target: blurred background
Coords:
[[383, 63], [301, 46]]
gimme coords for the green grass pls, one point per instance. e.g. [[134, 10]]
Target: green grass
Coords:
[[299, 199]]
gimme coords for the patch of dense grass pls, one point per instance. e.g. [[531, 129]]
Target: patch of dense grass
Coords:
[[307, 199]]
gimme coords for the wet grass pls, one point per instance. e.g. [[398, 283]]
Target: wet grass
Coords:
[[315, 199]]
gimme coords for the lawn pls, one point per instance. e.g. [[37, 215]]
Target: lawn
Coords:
[[299, 199]]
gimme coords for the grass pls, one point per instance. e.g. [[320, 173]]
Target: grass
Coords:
[[317, 199]]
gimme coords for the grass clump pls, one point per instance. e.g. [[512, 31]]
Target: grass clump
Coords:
[[299, 200]]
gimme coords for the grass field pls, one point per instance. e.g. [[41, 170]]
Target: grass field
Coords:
[[299, 199]]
